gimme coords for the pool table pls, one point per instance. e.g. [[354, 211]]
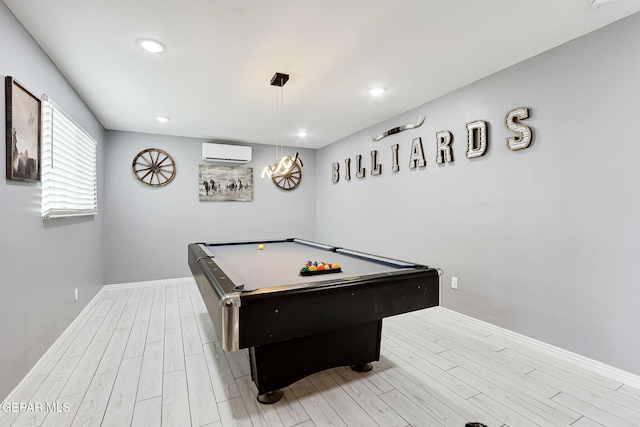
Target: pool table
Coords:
[[295, 325]]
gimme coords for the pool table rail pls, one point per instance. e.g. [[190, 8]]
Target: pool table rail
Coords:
[[220, 296], [279, 313]]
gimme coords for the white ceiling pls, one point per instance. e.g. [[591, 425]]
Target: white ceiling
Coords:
[[213, 79]]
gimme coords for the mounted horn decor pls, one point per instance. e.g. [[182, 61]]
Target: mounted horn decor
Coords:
[[398, 129]]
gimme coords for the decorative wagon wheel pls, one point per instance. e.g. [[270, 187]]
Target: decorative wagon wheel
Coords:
[[291, 179], [154, 167]]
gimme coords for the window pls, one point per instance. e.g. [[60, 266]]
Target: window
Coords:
[[69, 173]]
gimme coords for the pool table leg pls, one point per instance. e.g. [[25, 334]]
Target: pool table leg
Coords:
[[364, 367], [269, 397], [280, 364]]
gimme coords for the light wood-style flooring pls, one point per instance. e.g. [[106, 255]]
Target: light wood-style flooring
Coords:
[[148, 356]]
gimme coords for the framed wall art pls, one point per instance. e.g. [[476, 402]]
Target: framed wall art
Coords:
[[23, 132], [225, 183]]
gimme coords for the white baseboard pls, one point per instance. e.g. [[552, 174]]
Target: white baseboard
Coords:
[[51, 348], [35, 368], [582, 361], [163, 282], [603, 369]]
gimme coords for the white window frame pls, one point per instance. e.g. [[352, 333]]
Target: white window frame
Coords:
[[68, 166]]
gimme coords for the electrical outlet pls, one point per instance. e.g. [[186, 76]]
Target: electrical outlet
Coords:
[[75, 294], [454, 282]]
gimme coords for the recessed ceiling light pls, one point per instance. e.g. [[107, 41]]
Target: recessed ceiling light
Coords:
[[303, 133], [151, 46], [377, 91], [162, 119]]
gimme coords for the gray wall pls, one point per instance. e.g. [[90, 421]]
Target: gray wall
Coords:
[[148, 229], [41, 262], [544, 241]]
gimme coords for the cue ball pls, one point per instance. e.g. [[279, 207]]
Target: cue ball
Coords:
[[260, 247]]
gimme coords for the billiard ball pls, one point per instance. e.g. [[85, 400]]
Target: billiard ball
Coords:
[[261, 246]]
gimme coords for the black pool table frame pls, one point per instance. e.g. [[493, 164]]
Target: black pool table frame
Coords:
[[294, 331]]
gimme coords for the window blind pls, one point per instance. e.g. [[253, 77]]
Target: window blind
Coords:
[[69, 166]]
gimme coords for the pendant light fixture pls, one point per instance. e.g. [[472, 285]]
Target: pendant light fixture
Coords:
[[286, 173]]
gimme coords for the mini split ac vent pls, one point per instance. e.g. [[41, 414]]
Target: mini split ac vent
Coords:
[[225, 153]]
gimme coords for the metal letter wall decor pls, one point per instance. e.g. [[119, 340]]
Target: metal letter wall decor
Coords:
[[395, 167], [376, 168], [477, 144], [523, 139], [347, 169], [443, 139], [417, 154], [335, 172], [360, 171], [397, 130], [476, 138]]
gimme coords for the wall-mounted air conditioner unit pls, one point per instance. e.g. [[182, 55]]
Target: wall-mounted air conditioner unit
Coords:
[[225, 153]]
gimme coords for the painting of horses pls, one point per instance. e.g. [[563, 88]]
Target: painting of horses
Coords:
[[225, 183], [23, 132]]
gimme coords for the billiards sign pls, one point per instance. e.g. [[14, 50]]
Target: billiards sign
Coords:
[[477, 143]]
